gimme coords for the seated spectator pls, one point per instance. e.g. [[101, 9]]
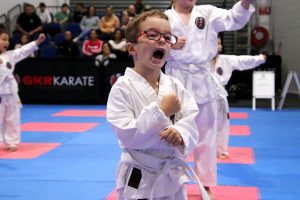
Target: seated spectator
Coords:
[[131, 11], [67, 48], [79, 13], [62, 17], [93, 46], [124, 21], [28, 22], [24, 39], [105, 56], [43, 13], [139, 6], [108, 24], [88, 23], [147, 8], [118, 43]]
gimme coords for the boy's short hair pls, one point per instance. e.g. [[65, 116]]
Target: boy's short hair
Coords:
[[132, 30], [3, 31]]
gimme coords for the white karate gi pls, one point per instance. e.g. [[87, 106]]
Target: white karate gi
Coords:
[[222, 71], [133, 110], [191, 66], [10, 103]]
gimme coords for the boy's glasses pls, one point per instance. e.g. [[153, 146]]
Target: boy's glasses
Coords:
[[155, 35]]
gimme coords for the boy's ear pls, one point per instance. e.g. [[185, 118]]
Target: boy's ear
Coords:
[[131, 49]]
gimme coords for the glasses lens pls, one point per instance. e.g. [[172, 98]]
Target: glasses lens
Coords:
[[170, 38], [152, 35], [173, 39]]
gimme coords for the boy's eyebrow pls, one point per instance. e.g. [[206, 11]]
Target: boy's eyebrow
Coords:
[[154, 29]]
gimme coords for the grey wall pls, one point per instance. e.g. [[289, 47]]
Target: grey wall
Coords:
[[286, 17]]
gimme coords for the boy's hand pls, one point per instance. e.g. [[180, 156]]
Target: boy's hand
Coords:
[[170, 104], [40, 39], [1, 61], [246, 4], [171, 136], [180, 43]]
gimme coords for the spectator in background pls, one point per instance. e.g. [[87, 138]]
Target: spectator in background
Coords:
[[147, 8], [28, 22], [118, 43], [79, 13], [105, 56], [62, 17], [108, 24], [67, 48], [139, 6], [93, 46], [88, 23], [131, 11], [124, 21], [24, 39], [44, 14]]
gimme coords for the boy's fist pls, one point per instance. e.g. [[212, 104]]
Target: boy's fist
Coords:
[[40, 39], [170, 104]]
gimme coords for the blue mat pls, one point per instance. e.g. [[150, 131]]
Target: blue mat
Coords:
[[83, 167]]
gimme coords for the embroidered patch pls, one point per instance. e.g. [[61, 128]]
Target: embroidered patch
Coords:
[[220, 71], [8, 65], [200, 22]]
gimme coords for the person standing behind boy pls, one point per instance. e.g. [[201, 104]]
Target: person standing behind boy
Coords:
[[222, 68], [152, 114], [10, 104], [197, 28]]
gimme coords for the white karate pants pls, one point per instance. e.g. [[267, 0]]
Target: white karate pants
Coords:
[[10, 127], [222, 128], [205, 160]]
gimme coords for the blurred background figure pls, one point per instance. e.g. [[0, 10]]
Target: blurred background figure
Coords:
[[93, 46], [67, 48]]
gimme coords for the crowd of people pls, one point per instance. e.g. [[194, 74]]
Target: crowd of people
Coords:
[[79, 32]]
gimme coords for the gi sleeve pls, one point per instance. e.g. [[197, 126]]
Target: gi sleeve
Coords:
[[23, 52], [230, 20], [134, 130], [246, 62]]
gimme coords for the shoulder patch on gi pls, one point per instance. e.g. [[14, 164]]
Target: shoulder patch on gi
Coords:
[[220, 71], [200, 22]]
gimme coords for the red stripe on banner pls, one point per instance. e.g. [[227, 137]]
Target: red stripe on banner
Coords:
[[226, 192], [57, 127], [239, 130], [238, 115], [28, 150], [220, 192], [81, 113], [238, 155]]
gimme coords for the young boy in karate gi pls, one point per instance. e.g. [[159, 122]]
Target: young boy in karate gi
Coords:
[[10, 104], [189, 61], [153, 116], [222, 68]]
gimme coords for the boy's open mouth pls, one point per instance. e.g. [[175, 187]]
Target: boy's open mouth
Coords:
[[159, 54]]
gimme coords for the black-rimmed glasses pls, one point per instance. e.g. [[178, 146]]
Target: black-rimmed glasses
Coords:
[[155, 35]]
